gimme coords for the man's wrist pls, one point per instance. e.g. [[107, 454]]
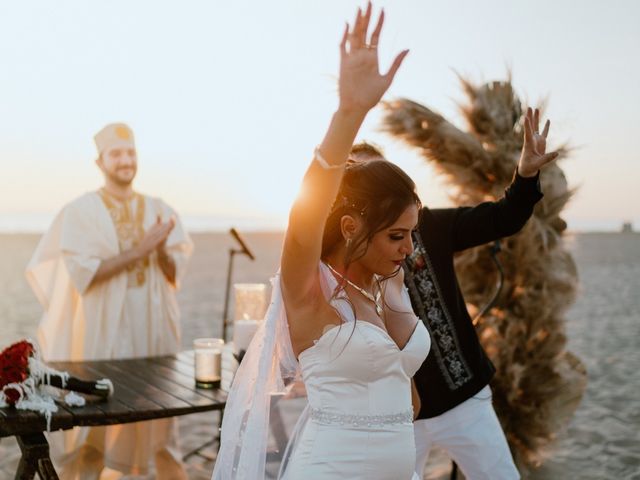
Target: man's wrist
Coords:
[[524, 173], [522, 186]]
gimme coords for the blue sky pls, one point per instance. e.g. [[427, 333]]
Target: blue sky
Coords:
[[228, 99]]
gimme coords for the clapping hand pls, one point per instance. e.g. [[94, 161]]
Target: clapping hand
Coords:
[[533, 156], [361, 84], [156, 236]]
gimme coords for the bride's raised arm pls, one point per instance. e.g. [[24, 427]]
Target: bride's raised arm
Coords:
[[361, 87]]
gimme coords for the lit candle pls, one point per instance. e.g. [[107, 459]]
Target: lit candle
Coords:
[[250, 300], [207, 363], [243, 332]]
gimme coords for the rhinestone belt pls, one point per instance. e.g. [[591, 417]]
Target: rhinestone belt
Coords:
[[324, 417]]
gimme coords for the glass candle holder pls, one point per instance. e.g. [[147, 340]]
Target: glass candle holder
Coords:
[[207, 361], [250, 301], [243, 332], [250, 307]]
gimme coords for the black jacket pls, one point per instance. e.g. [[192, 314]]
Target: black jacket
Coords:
[[457, 367]]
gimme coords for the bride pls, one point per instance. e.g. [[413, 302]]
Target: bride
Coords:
[[339, 317]]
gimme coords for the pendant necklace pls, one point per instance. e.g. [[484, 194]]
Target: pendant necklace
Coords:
[[376, 300]]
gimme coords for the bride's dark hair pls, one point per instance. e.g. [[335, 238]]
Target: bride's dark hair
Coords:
[[373, 189]]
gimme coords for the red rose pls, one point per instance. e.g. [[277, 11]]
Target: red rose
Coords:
[[14, 367], [12, 395]]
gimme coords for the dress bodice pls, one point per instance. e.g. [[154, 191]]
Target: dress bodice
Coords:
[[356, 368]]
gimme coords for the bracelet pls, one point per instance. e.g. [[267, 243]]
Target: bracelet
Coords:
[[317, 157]]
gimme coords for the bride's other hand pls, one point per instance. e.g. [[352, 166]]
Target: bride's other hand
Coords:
[[361, 84]]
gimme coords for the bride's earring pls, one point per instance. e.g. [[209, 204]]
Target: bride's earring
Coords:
[[348, 243]]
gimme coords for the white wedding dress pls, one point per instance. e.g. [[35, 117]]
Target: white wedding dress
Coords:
[[359, 422]]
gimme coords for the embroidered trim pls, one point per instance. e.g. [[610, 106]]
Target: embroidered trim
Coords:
[[427, 301], [130, 231]]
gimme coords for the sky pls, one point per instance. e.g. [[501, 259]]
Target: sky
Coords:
[[228, 99]]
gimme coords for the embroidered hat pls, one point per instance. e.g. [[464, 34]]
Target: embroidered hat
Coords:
[[114, 135]]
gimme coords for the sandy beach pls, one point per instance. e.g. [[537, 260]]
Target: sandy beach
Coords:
[[602, 441]]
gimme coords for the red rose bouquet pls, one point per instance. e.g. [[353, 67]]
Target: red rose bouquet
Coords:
[[23, 374], [14, 369]]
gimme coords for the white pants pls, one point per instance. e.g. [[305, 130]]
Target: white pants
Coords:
[[472, 436]]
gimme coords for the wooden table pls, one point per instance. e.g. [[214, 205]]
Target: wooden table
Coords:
[[145, 389]]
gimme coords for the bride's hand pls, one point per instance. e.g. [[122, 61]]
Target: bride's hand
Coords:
[[361, 85]]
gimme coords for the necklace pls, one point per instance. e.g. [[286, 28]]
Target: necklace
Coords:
[[376, 300]]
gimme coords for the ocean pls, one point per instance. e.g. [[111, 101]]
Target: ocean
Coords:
[[603, 326]]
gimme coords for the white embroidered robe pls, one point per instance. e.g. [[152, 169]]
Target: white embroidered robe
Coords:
[[112, 319]]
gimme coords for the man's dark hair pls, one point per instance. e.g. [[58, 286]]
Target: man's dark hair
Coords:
[[366, 149]]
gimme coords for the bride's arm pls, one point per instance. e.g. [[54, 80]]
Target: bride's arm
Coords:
[[360, 88]]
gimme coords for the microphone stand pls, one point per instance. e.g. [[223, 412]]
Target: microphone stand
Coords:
[[243, 250]]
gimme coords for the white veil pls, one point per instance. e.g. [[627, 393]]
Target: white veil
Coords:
[[268, 364], [266, 373]]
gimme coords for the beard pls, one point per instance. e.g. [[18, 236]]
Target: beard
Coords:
[[120, 178]]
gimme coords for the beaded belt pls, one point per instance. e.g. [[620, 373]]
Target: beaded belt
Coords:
[[324, 417]]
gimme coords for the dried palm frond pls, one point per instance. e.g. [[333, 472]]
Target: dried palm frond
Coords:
[[539, 383]]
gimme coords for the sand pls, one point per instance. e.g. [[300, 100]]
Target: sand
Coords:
[[603, 439]]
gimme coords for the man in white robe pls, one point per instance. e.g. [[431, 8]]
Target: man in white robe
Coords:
[[106, 274]]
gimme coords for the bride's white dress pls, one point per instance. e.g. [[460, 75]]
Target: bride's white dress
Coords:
[[360, 423]]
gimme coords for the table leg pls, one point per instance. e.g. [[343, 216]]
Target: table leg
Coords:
[[216, 439], [35, 458]]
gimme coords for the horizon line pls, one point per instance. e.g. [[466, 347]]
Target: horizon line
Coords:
[[38, 223]]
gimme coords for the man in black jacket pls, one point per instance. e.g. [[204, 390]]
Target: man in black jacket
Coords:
[[456, 413]]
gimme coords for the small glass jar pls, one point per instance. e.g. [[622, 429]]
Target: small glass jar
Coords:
[[207, 361]]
